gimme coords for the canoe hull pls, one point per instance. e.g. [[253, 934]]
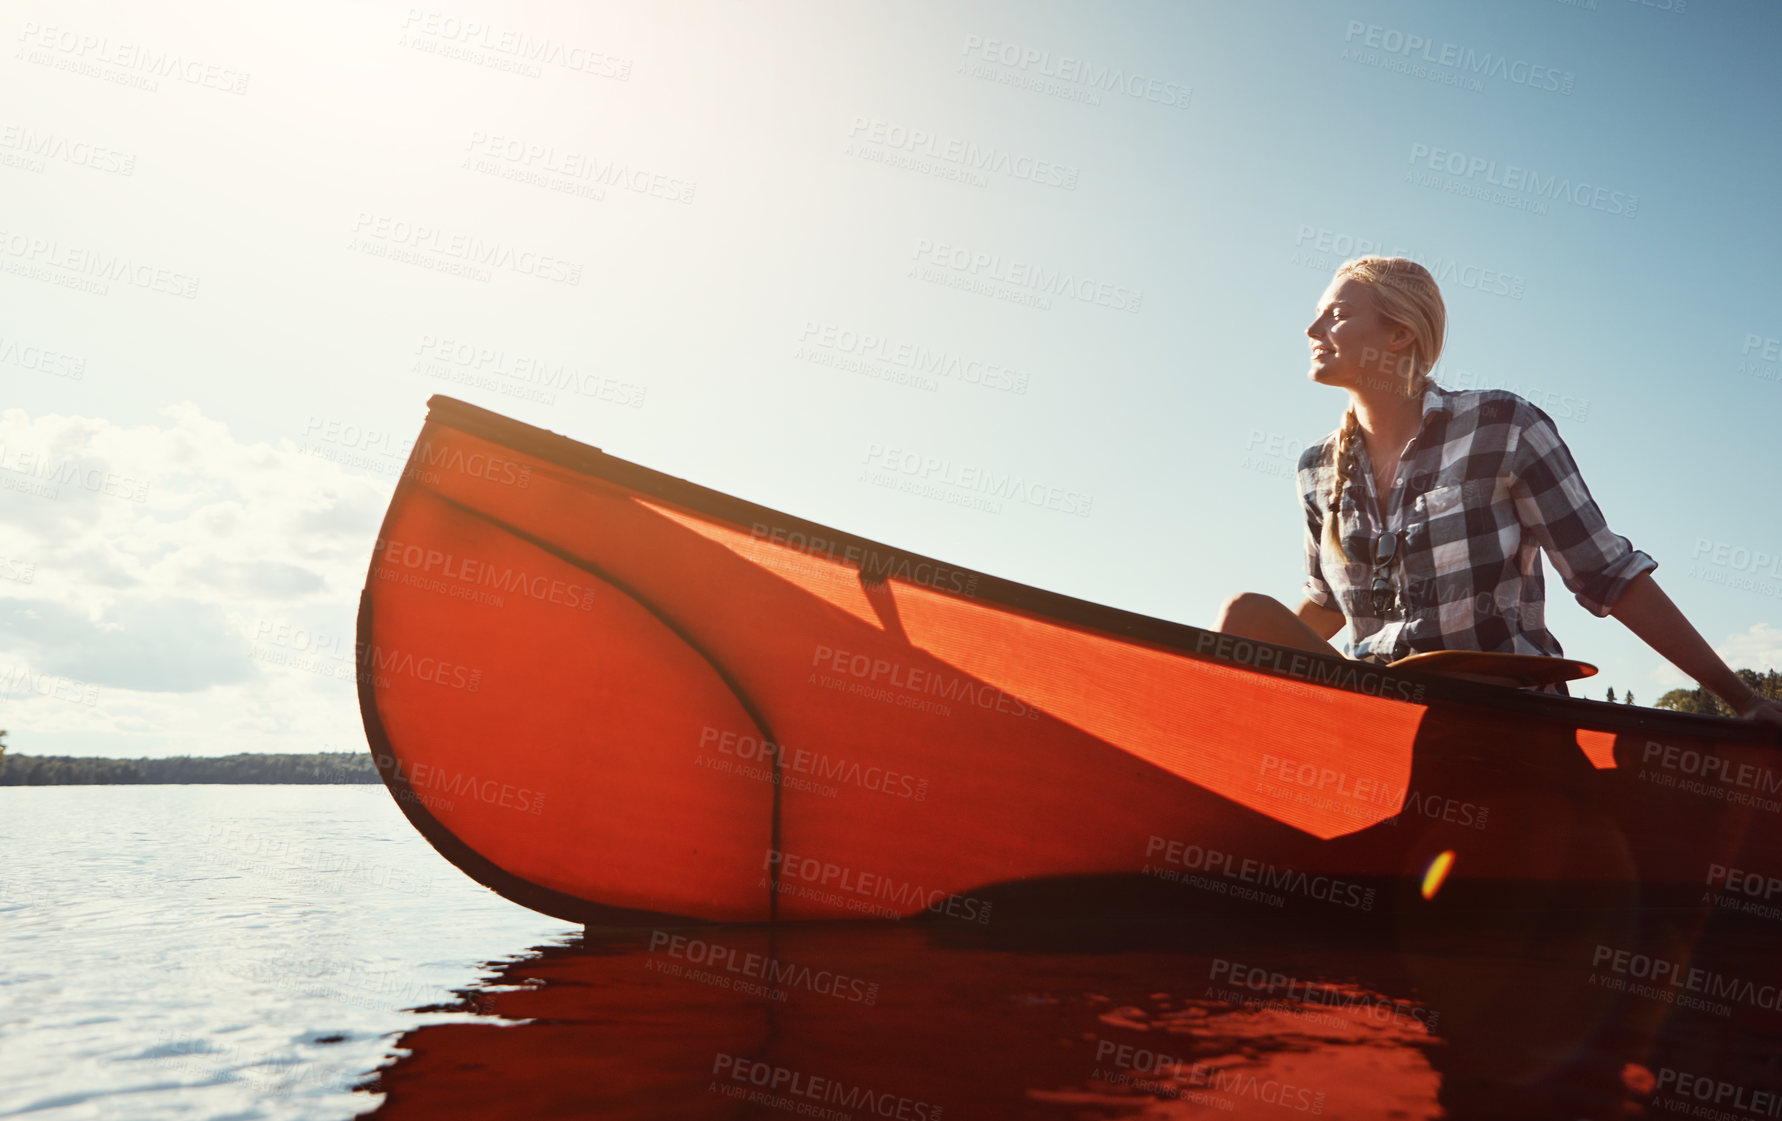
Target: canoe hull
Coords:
[[605, 692]]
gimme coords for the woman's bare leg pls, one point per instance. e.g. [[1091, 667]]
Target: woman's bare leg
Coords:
[[1266, 619]]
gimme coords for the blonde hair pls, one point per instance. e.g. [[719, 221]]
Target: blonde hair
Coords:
[[1405, 293]]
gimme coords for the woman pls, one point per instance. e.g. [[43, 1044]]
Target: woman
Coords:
[[1424, 509]]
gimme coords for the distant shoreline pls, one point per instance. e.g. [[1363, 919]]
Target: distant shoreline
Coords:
[[317, 769]]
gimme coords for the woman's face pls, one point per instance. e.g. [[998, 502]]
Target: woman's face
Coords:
[[1353, 346]]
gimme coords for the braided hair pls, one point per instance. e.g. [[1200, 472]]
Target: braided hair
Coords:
[[1405, 293]]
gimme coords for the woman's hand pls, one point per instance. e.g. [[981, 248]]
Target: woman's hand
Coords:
[[1761, 709], [1649, 613]]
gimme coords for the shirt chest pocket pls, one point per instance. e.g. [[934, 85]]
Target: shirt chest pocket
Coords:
[[1438, 526]]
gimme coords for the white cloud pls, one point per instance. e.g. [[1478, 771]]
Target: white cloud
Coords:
[[1759, 648], [169, 645], [142, 559]]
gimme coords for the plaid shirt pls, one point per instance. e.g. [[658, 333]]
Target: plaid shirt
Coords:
[[1483, 483]]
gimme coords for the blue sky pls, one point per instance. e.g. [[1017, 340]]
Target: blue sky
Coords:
[[713, 206]]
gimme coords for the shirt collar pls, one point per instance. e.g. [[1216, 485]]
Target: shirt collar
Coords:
[[1435, 399]]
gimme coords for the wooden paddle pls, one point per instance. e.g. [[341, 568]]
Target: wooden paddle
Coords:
[[1515, 670]]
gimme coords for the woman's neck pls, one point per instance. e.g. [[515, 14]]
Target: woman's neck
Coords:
[[1388, 419]]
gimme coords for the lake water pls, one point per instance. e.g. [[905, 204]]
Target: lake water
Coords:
[[259, 952], [225, 951]]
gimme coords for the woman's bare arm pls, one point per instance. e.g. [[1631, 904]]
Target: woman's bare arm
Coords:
[[1649, 613]]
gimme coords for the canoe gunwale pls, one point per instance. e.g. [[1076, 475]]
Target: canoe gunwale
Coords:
[[1177, 638]]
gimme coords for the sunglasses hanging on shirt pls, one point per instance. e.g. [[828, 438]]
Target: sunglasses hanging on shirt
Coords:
[[1386, 600]]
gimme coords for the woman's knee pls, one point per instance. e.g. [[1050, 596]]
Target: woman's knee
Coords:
[[1245, 610]]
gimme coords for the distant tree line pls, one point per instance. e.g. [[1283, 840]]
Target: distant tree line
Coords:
[[1701, 701], [72, 770], [320, 768]]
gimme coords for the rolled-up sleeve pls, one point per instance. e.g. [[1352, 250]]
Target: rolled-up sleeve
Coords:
[[1551, 499], [1307, 477]]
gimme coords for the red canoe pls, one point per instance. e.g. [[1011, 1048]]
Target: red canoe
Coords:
[[601, 690]]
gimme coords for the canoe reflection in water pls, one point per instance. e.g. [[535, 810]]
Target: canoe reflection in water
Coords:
[[1125, 866], [945, 1020]]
